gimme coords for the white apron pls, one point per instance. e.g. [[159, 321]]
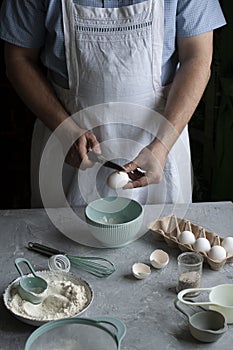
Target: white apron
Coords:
[[114, 60]]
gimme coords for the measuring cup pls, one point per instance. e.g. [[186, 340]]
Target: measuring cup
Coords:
[[31, 288], [220, 299], [206, 326]]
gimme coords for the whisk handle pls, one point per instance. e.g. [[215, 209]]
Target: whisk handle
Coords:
[[40, 248]]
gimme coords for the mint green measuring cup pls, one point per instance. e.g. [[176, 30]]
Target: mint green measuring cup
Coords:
[[31, 287]]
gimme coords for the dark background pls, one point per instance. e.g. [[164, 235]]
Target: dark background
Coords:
[[15, 141], [210, 129]]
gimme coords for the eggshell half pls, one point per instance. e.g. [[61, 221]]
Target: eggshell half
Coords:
[[159, 258], [141, 270]]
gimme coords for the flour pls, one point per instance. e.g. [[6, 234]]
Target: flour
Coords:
[[63, 299]]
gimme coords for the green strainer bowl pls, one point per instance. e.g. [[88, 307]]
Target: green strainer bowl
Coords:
[[98, 333]]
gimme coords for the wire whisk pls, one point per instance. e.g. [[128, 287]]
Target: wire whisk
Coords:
[[87, 263]]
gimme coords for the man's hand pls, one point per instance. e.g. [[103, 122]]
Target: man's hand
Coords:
[[151, 159], [77, 154]]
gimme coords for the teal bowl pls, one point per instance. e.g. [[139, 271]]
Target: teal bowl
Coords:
[[114, 221]]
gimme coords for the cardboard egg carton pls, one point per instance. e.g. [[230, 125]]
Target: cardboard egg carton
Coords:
[[169, 228]]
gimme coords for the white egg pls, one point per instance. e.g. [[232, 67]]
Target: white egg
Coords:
[[227, 244], [217, 253], [201, 245], [186, 237], [117, 180]]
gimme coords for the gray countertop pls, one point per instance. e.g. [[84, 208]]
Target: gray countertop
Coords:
[[145, 306]]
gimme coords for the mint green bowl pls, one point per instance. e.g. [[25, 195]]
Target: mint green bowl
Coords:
[[114, 221]]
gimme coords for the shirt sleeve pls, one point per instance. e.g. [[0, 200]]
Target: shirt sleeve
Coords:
[[23, 22], [195, 17]]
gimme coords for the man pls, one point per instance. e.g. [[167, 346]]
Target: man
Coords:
[[155, 54]]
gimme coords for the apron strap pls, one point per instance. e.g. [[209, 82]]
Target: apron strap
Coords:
[[157, 41], [69, 35]]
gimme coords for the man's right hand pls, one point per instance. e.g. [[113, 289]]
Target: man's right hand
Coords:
[[77, 154]]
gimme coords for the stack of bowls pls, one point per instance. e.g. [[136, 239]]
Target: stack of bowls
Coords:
[[114, 221]]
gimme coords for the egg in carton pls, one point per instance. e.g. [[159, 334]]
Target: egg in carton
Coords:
[[169, 228]]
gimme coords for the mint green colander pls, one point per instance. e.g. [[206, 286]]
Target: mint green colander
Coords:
[[98, 333]]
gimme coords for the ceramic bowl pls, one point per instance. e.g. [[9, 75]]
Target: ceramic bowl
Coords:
[[114, 221]]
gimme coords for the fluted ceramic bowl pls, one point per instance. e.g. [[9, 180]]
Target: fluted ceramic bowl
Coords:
[[114, 221]]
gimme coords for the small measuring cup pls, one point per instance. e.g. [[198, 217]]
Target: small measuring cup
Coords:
[[31, 288], [206, 326], [220, 299]]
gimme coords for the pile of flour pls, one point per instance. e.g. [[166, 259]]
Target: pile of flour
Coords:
[[63, 299]]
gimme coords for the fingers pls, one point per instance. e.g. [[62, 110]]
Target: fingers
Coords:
[[72, 158], [152, 169], [143, 181], [93, 143], [87, 143], [77, 155], [138, 178], [131, 166]]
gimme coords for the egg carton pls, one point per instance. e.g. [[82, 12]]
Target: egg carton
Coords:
[[169, 228]]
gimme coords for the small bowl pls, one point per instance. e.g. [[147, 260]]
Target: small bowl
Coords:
[[159, 258], [141, 270], [114, 221]]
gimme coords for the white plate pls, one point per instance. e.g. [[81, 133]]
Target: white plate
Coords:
[[56, 275]]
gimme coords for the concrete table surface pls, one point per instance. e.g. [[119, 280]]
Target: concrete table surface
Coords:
[[145, 306]]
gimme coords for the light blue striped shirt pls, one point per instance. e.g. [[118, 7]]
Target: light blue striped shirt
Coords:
[[38, 24]]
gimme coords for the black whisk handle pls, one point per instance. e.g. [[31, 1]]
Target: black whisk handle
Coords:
[[40, 248]]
